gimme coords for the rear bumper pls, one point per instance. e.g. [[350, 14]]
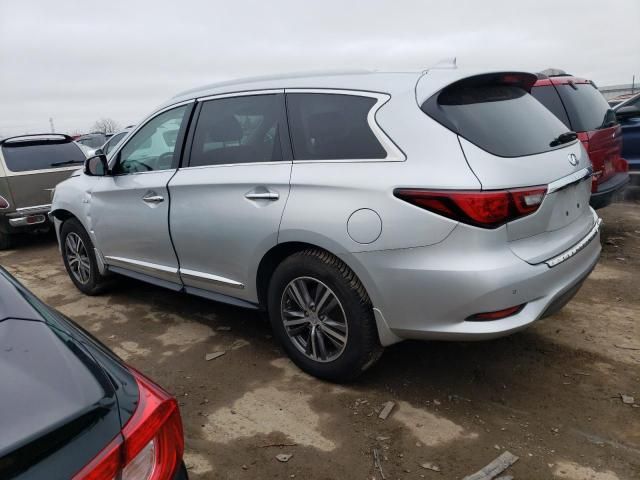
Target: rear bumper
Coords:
[[24, 219], [428, 292], [607, 190]]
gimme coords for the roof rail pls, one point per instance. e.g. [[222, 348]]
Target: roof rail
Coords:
[[37, 137]]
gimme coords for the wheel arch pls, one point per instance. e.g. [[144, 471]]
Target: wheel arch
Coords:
[[279, 252]]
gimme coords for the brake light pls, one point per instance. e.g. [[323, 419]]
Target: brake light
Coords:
[[4, 203], [486, 209], [153, 441]]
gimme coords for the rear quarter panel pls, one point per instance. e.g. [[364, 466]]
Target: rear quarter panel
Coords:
[[324, 194]]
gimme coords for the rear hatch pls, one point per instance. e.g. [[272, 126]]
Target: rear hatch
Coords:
[[511, 141], [34, 165], [591, 116]]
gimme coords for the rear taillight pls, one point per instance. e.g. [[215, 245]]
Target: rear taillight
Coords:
[[486, 209], [151, 444], [4, 203]]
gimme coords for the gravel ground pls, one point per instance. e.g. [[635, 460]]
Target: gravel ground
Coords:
[[550, 395]]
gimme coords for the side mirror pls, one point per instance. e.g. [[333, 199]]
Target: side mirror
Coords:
[[625, 113], [96, 166]]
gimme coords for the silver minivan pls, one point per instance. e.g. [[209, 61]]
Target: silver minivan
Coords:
[[358, 209]]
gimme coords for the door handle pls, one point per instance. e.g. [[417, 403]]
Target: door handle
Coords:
[[262, 195], [153, 198]]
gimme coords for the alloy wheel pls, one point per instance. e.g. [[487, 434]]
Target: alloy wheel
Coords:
[[314, 319], [77, 258]]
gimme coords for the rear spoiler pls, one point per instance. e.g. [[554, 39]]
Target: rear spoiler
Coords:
[[37, 138]]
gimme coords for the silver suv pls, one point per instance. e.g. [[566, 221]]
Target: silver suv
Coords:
[[357, 209]]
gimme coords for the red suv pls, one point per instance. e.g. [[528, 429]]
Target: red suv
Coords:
[[578, 103]]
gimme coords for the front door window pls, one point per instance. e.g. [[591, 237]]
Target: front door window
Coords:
[[153, 147]]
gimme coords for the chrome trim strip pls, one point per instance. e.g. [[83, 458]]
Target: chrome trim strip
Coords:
[[37, 208], [575, 177], [567, 254], [148, 268], [209, 278], [245, 93], [23, 221]]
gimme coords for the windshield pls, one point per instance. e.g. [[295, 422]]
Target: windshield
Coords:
[[501, 119], [24, 156]]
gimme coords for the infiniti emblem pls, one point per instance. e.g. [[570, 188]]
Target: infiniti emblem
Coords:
[[573, 160]]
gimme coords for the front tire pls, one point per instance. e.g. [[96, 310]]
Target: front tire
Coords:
[[322, 316], [79, 258]]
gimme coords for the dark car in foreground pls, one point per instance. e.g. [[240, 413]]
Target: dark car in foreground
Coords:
[[582, 108], [70, 409], [628, 115]]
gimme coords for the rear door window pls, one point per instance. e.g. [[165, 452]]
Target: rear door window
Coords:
[[332, 127], [587, 108], [502, 119], [548, 96], [29, 156]]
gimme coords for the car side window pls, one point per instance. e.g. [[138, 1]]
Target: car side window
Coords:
[[332, 127], [238, 130], [153, 146]]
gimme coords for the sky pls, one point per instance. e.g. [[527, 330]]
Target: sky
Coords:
[[79, 61]]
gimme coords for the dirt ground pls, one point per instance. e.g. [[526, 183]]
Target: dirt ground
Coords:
[[550, 395]]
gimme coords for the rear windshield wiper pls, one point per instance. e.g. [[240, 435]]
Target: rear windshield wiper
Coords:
[[67, 162], [565, 137]]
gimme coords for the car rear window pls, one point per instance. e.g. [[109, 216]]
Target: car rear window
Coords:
[[586, 107], [549, 97], [28, 156], [327, 126], [95, 141], [502, 119]]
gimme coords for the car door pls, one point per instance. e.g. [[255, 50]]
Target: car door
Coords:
[[226, 204], [129, 209]]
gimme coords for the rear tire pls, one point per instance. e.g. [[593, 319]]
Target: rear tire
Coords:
[[79, 258], [322, 316]]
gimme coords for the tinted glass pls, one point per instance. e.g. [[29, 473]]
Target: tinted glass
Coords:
[[548, 96], [503, 120], [113, 142], [26, 156], [332, 127], [587, 108], [238, 130], [153, 146]]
